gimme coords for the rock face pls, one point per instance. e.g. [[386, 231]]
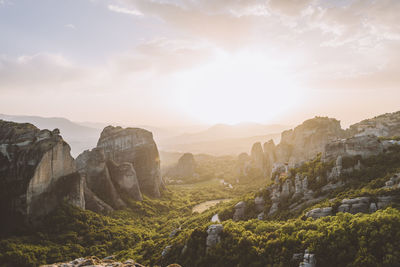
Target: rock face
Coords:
[[240, 209], [135, 146], [319, 212], [125, 179], [185, 168], [257, 156], [124, 163], [259, 203], [309, 260], [307, 140], [242, 165], [94, 261], [213, 236], [37, 173], [383, 125], [364, 146], [98, 179]]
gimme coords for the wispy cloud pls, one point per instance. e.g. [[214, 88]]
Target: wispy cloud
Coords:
[[70, 26], [124, 10]]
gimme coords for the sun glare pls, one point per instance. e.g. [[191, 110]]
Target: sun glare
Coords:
[[247, 86]]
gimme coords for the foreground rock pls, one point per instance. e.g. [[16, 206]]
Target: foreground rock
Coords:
[[213, 238], [93, 261], [37, 173]]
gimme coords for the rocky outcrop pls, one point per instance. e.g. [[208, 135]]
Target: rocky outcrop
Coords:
[[125, 180], [135, 146], [355, 205], [94, 261], [393, 182], [37, 173], [308, 260], [213, 238], [185, 167], [364, 146], [240, 209], [384, 125], [242, 166], [307, 140], [257, 157], [259, 203], [319, 212], [98, 179]]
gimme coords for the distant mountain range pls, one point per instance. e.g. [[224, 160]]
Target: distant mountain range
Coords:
[[219, 139]]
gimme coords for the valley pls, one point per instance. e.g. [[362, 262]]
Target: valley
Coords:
[[276, 206]]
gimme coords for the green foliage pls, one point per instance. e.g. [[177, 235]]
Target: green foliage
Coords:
[[343, 240]]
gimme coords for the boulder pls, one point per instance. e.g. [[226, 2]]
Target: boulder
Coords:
[[136, 146], [319, 212], [373, 207], [240, 209], [259, 202], [36, 168], [309, 260], [384, 201], [213, 236], [273, 209]]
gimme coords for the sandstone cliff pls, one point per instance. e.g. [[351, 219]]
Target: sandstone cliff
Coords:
[[37, 172]]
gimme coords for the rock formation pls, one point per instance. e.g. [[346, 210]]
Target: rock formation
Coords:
[[384, 125], [257, 156], [307, 140], [185, 167], [259, 203], [309, 260], [240, 209], [319, 212], [243, 165], [37, 173], [94, 261], [136, 146], [124, 163], [213, 236], [364, 146]]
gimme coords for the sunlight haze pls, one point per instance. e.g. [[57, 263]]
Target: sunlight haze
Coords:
[[198, 62]]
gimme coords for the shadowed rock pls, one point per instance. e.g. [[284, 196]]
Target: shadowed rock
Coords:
[[37, 172]]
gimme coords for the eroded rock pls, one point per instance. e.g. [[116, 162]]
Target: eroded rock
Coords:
[[213, 236], [36, 169]]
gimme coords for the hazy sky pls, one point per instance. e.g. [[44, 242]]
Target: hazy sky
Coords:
[[176, 62]]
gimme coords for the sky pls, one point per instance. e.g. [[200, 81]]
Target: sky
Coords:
[[183, 62]]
